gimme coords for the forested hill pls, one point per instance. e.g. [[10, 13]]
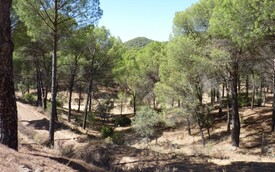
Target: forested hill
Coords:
[[138, 42]]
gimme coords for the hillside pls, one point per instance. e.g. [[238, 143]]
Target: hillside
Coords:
[[138, 42], [25, 161], [172, 150]]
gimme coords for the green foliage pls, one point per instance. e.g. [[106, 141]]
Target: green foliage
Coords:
[[107, 132], [22, 87], [59, 103], [118, 138], [243, 100], [145, 121], [28, 97], [122, 121], [205, 116], [138, 42]]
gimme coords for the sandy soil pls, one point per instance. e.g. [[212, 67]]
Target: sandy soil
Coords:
[[33, 128], [174, 149]]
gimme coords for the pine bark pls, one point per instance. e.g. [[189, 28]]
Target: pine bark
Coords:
[[71, 86], [273, 104], [87, 104], [253, 92], [228, 104], [54, 73], [235, 134], [8, 110]]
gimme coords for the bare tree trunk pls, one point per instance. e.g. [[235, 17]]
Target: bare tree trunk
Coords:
[[189, 125], [8, 109], [246, 89], [134, 103], [228, 104], [264, 96], [200, 127], [212, 96], [260, 101], [38, 88], [90, 102], [235, 134], [253, 91], [239, 83], [70, 102], [79, 98], [220, 101], [273, 103], [71, 86], [54, 73], [87, 104], [223, 90]]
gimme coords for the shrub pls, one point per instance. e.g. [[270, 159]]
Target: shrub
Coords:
[[59, 103], [41, 139], [29, 98], [122, 121], [67, 151], [118, 138], [243, 100], [145, 121], [107, 132]]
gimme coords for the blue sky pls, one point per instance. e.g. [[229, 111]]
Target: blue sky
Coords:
[[129, 19]]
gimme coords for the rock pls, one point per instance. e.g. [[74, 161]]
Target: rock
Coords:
[[24, 168], [233, 148]]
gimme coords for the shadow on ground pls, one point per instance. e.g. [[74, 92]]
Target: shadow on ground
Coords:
[[43, 124]]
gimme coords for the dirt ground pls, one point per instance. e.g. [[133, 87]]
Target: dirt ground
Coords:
[[174, 149]]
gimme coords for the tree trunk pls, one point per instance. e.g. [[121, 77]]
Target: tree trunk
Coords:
[[212, 96], [38, 88], [71, 86], [188, 125], [223, 90], [90, 103], [44, 92], [239, 83], [70, 104], [87, 104], [220, 101], [253, 91], [246, 89], [79, 99], [54, 73], [235, 134], [260, 100], [264, 96], [228, 104], [200, 127], [134, 103], [273, 103], [8, 110]]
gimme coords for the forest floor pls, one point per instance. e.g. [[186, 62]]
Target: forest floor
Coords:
[[173, 150]]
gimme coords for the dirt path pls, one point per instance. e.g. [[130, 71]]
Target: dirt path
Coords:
[[29, 117]]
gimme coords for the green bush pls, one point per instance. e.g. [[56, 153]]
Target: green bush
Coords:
[[107, 132], [243, 100], [118, 138], [122, 121], [28, 97], [59, 103], [146, 121]]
